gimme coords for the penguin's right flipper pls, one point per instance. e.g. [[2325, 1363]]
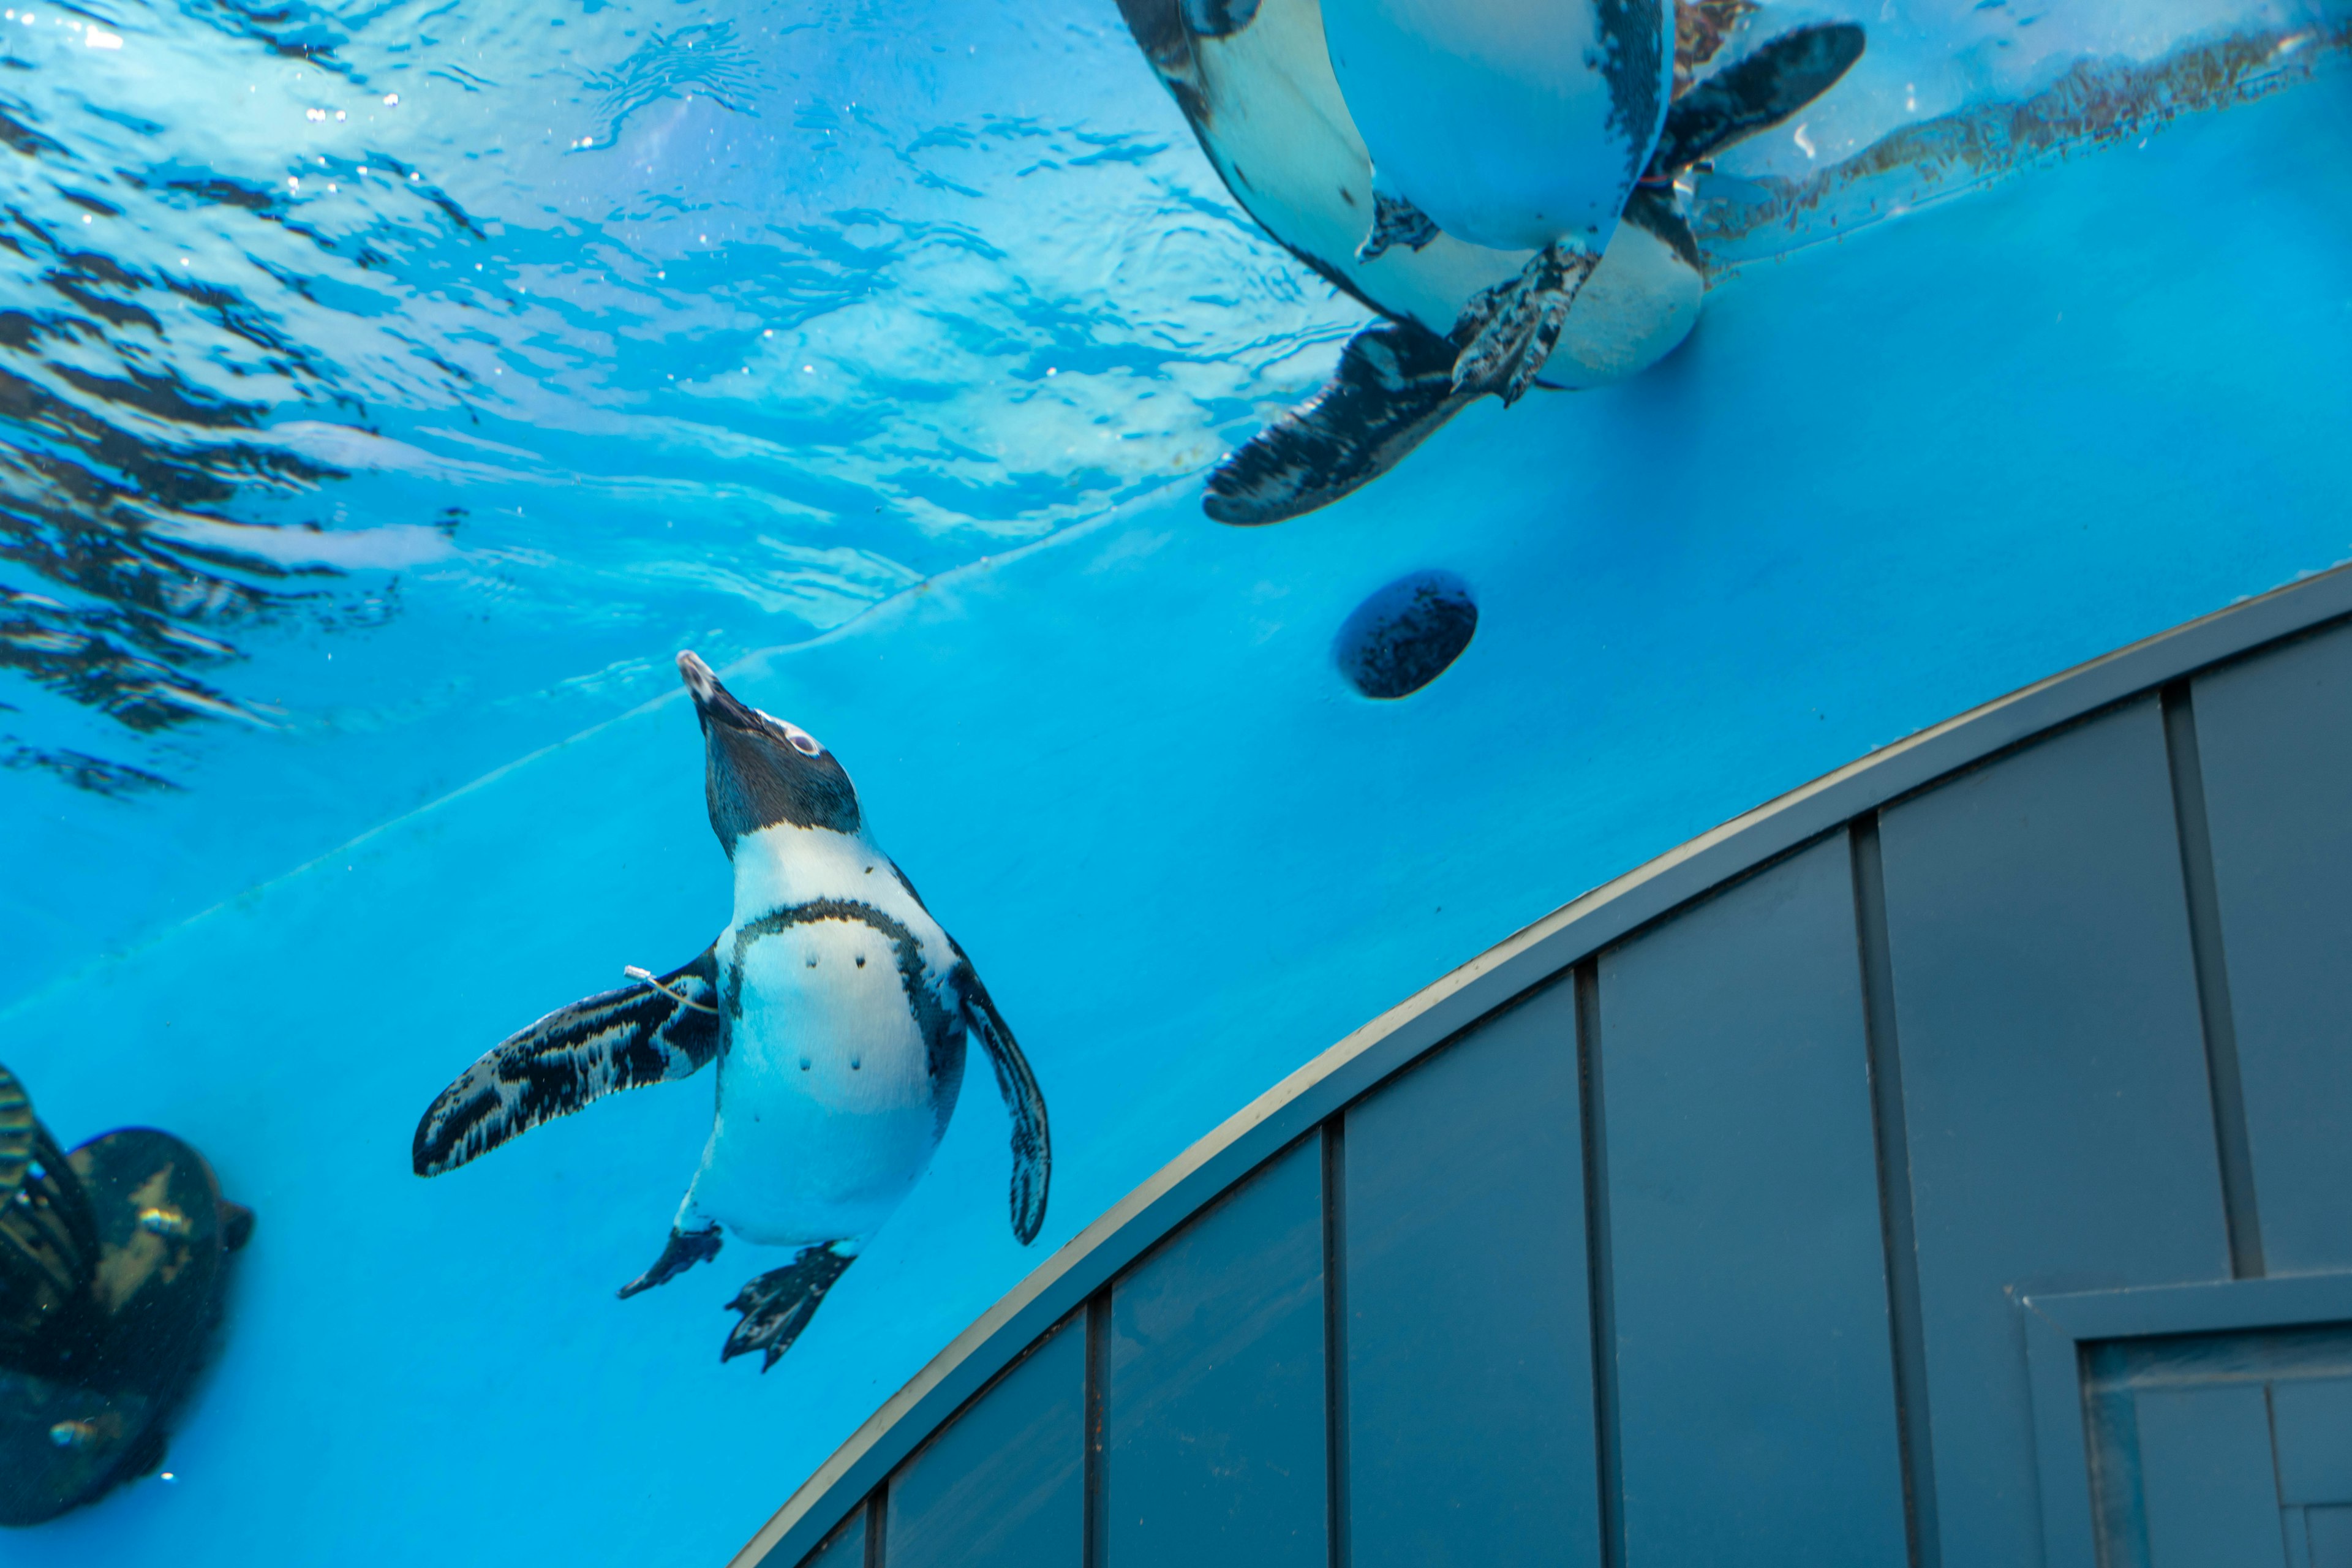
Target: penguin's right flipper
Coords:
[[1394, 387], [779, 1304], [1755, 94], [1513, 327], [649, 1032], [1033, 1140]]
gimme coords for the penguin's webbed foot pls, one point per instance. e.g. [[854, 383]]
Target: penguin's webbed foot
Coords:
[[684, 1249], [1395, 221], [1512, 328], [779, 1304]]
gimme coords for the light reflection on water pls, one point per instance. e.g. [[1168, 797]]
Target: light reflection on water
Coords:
[[753, 315]]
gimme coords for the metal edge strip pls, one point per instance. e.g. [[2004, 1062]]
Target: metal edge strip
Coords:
[[1436, 1013]]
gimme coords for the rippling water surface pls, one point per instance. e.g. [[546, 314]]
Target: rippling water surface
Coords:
[[496, 352], [389, 386]]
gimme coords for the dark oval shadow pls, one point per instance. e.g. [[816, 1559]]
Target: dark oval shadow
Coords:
[[1403, 637]]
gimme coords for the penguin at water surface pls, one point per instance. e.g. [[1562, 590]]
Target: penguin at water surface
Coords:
[[1491, 133], [835, 1007]]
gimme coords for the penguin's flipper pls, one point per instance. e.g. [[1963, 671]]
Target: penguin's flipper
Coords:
[[779, 1304], [1755, 94], [1512, 328], [18, 1132], [1032, 1143], [1394, 387], [649, 1032], [1652, 209]]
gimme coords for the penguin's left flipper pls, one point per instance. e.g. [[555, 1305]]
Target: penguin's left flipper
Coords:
[[649, 1032], [779, 1304], [1508, 332], [1032, 1143], [18, 1132], [1394, 387], [1754, 94]]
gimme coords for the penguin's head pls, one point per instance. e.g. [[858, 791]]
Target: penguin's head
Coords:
[[759, 772]]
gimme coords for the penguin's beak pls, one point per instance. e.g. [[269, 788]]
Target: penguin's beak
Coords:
[[711, 699]]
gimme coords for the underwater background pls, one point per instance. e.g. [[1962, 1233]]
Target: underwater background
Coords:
[[391, 391]]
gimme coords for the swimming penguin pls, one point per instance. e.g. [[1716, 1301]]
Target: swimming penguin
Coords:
[[1255, 79], [114, 1273], [837, 1011]]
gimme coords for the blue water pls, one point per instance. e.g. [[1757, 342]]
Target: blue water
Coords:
[[947, 519]]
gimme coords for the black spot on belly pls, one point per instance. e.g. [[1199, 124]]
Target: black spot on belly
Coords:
[[943, 1033], [1404, 637]]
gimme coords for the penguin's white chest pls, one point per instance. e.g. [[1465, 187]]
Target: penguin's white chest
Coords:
[[1510, 123], [828, 1113]]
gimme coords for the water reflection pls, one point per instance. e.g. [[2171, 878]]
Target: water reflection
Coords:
[[539, 335], [767, 310]]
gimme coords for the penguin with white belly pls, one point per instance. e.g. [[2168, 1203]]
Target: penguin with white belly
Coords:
[[1506, 138], [837, 1011]]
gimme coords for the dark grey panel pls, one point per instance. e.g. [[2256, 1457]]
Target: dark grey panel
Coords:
[[1755, 1373], [2274, 736], [2329, 1540], [1002, 1485], [2313, 1418], [1215, 1432], [1470, 1429], [2206, 1477], [2053, 1080], [845, 1548]]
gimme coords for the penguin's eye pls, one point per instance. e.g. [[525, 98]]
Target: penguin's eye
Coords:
[[800, 740]]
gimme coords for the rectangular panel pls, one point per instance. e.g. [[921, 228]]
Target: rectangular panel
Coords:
[[2329, 1535], [2313, 1422], [1755, 1373], [1216, 1432], [2205, 1474], [1003, 1484], [2274, 736], [2055, 1080], [1470, 1425]]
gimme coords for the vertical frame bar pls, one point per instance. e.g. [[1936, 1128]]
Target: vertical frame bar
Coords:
[[2229, 1136], [1896, 1223], [1097, 1525], [878, 1518], [1597, 1265], [1335, 1330]]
